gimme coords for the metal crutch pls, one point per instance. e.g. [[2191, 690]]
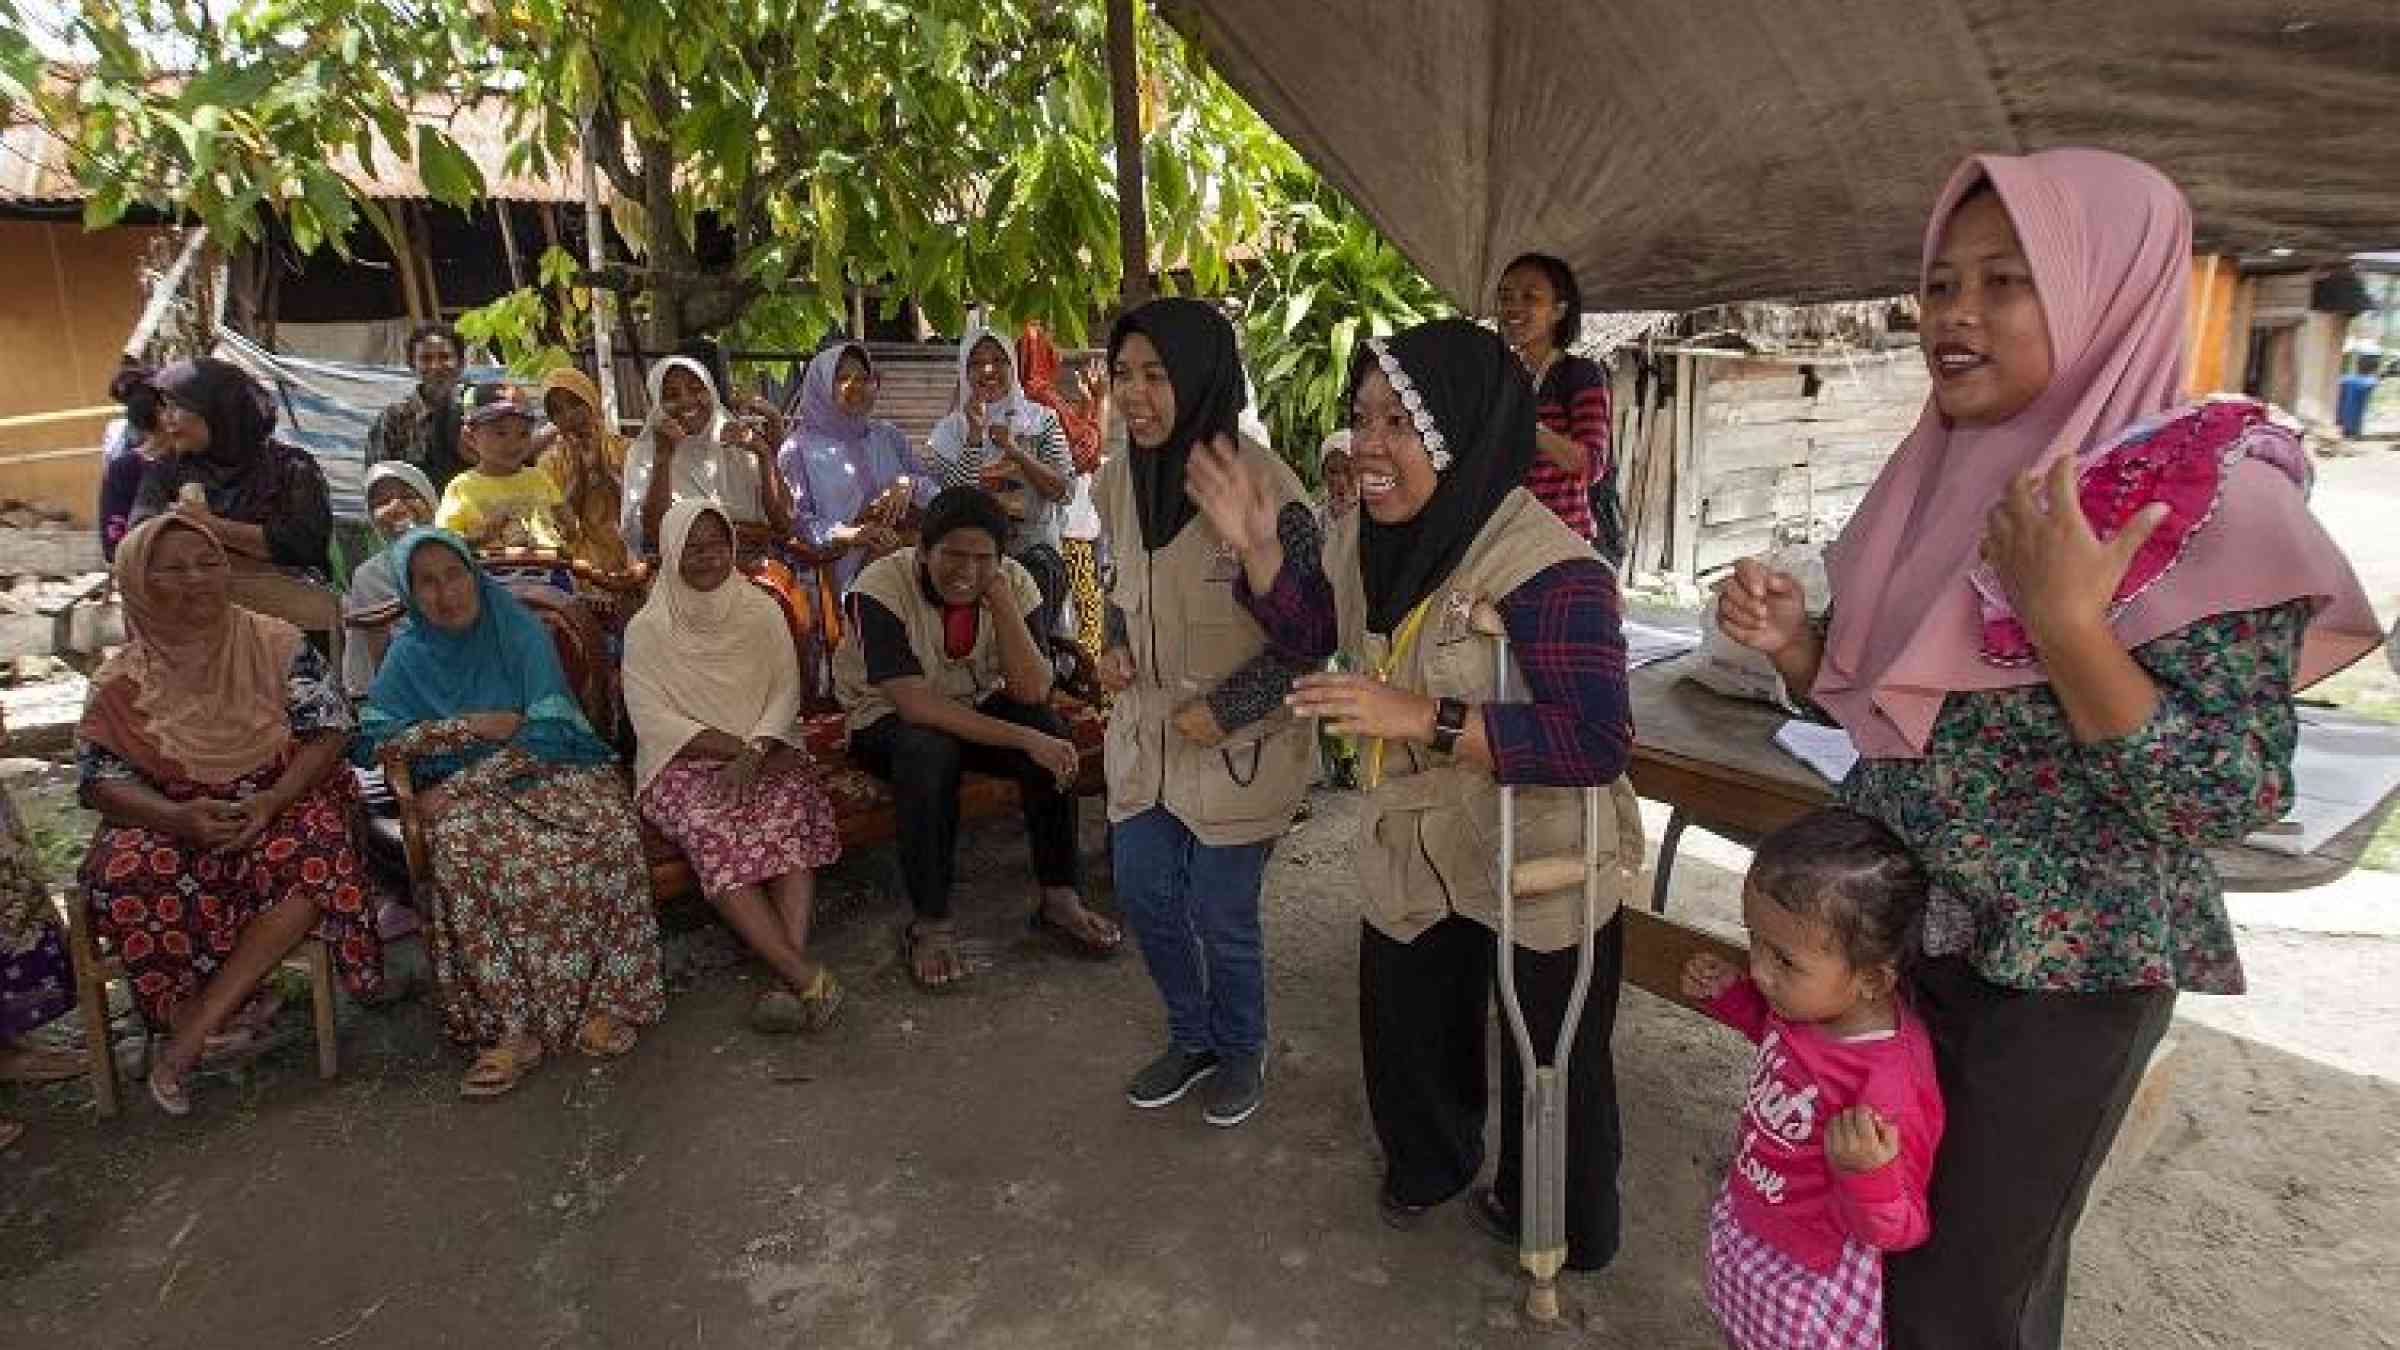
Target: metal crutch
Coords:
[[1542, 1204]]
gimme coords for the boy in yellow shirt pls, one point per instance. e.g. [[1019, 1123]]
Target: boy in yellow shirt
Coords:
[[503, 501]]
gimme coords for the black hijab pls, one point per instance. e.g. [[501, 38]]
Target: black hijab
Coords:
[[1196, 345], [240, 469], [1476, 394]]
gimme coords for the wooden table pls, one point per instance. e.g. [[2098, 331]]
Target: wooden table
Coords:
[[1714, 761]]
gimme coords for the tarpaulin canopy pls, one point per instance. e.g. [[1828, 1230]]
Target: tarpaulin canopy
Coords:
[[1689, 152]]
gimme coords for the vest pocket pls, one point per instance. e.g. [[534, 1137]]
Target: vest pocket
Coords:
[[1256, 780]]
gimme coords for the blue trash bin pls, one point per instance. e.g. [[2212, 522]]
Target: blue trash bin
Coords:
[[2350, 409]]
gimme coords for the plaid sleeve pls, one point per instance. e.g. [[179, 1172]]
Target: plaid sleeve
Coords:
[[1577, 730], [1297, 611]]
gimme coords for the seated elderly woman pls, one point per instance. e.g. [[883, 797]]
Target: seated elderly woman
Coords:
[[211, 747], [399, 499], [216, 461], [945, 678], [542, 934], [714, 692]]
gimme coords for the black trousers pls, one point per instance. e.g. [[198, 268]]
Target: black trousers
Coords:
[[2034, 1087], [1425, 1012], [924, 765]]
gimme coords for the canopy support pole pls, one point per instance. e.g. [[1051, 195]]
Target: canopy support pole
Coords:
[[604, 300], [1124, 96]]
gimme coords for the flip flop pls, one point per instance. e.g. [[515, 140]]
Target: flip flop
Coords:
[[171, 1099], [821, 1001], [911, 940], [777, 1012], [498, 1070], [1073, 939], [604, 1037]]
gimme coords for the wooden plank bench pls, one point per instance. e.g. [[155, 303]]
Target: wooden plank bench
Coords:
[[863, 810]]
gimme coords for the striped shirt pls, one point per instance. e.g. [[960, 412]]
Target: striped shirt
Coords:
[[1573, 401]]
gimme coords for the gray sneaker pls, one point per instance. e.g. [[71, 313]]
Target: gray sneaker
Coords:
[[1240, 1088], [1166, 1078]]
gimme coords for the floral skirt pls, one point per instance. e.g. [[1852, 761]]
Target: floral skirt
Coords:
[[1083, 582], [36, 982], [1765, 1300], [173, 911], [541, 910], [786, 825]]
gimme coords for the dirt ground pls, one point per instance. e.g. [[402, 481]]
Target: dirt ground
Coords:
[[963, 1171]]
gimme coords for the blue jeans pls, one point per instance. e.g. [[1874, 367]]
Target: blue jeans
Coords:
[[1194, 909]]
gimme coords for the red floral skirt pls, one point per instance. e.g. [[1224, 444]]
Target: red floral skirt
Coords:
[[172, 911]]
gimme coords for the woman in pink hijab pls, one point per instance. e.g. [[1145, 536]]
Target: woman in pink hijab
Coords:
[[2067, 625]]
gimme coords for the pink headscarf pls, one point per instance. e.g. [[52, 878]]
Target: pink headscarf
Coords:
[[2109, 241]]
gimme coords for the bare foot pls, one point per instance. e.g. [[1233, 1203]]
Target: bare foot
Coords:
[[1064, 913]]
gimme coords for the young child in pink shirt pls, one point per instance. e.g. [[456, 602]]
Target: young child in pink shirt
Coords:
[[1843, 1113]]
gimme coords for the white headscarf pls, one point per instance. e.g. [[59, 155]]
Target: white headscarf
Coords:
[[705, 467], [698, 661], [1023, 416]]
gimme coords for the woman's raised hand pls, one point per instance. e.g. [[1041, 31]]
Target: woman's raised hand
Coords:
[[1761, 608], [1230, 493], [2059, 573]]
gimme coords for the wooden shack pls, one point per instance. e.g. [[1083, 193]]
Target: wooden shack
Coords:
[[1726, 453]]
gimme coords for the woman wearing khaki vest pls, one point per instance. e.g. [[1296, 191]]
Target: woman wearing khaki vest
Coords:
[[1220, 600], [1442, 431]]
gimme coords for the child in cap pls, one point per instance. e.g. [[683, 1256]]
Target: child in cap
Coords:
[[503, 501]]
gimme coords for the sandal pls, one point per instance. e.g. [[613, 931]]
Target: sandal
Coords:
[[777, 1012], [821, 1001], [500, 1068], [1075, 938], [925, 946], [169, 1095], [10, 1132], [604, 1037]]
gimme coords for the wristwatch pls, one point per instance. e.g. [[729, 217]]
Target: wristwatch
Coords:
[[1449, 723]]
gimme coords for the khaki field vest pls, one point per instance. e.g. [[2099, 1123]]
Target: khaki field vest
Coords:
[[1429, 834], [892, 581], [1188, 633]]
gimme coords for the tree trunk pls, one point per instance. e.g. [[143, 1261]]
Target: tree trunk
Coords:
[[1124, 83]]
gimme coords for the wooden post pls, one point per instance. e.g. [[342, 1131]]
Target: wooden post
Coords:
[[1690, 379], [604, 300], [1125, 103], [404, 261], [508, 246], [423, 239], [549, 217]]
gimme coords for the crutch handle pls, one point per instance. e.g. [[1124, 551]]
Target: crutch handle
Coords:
[[1546, 876]]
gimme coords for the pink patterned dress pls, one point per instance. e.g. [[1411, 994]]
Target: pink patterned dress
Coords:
[[785, 824]]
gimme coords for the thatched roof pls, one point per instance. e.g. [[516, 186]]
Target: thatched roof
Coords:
[[1682, 153]]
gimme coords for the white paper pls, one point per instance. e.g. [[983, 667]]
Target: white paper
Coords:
[[2345, 766], [1726, 667], [1648, 644], [1827, 750]]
